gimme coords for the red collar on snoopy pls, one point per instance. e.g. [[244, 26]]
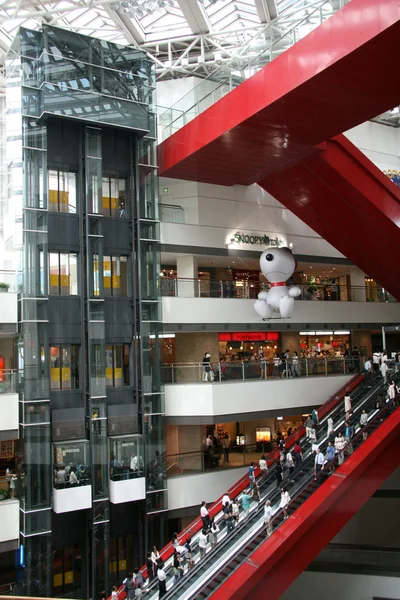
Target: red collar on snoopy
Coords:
[[278, 283]]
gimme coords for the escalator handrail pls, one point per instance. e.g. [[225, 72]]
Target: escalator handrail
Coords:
[[278, 515], [195, 526]]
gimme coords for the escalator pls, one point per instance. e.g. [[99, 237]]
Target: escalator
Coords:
[[217, 574], [246, 535]]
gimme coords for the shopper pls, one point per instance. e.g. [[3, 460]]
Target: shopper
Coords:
[[262, 463], [235, 511], [279, 474], [290, 463], [347, 404], [277, 363], [207, 373], [138, 576], [268, 518], [330, 426], [340, 443], [367, 371], [177, 566], [318, 465], [309, 427], [226, 499], [263, 365], [349, 433], [329, 457], [214, 533], [226, 446], [130, 587], [150, 567], [162, 579], [246, 501], [114, 592], [138, 591], [251, 475], [203, 542], [315, 418], [155, 557], [175, 541], [297, 454], [205, 516], [284, 503], [363, 422], [227, 512], [255, 494], [188, 549]]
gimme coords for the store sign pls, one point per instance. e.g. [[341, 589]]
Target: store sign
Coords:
[[256, 239], [255, 336]]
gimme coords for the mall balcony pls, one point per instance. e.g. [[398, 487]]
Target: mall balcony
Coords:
[[210, 302]]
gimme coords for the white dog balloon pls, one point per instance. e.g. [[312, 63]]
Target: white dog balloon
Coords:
[[277, 265]]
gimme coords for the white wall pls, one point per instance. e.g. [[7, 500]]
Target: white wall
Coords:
[[9, 519], [73, 498], [9, 412], [214, 213], [231, 310], [380, 143], [8, 308], [332, 586], [229, 398], [189, 490], [127, 490]]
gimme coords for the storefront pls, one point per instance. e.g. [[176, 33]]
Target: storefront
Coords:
[[330, 343], [247, 346]]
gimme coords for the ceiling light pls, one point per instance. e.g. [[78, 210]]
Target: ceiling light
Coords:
[[344, 332], [324, 333]]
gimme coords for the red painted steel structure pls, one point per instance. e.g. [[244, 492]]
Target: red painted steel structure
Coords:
[[340, 75], [194, 527], [280, 559], [273, 128], [348, 201]]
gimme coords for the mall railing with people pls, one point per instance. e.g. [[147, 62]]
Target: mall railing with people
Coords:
[[196, 372], [249, 290]]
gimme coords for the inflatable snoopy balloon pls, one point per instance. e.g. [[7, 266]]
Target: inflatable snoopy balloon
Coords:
[[277, 265]]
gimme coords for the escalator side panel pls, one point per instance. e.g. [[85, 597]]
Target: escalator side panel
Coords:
[[275, 565]]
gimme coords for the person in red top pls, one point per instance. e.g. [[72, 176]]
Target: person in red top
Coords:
[[297, 454]]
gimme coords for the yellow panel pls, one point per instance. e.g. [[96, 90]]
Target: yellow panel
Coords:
[[106, 202], [114, 203], [118, 373], [107, 282], [122, 565], [57, 580], [53, 196], [109, 373], [116, 281], [113, 566], [66, 374], [53, 280], [55, 373], [68, 577], [63, 197], [64, 280]]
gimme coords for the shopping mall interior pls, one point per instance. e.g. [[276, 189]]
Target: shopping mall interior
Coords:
[[199, 299]]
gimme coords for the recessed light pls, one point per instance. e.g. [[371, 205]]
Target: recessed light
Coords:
[[310, 267]]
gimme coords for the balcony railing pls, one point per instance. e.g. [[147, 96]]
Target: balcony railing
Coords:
[[187, 463], [10, 281], [172, 213], [222, 372], [8, 381], [209, 288]]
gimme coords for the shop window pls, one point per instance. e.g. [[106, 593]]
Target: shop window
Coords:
[[126, 457], [64, 367], [62, 191], [115, 269], [63, 273], [114, 197], [117, 365]]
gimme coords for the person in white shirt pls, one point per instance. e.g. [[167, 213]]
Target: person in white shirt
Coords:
[[376, 361], [347, 404], [268, 517], [114, 593], [318, 465], [204, 514], [155, 556], [225, 499], [367, 370], [363, 422], [384, 367], [330, 426], [203, 542], [262, 463], [235, 511], [162, 581], [213, 534], [284, 503], [73, 480]]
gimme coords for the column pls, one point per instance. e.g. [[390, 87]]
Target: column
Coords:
[[357, 285], [187, 272]]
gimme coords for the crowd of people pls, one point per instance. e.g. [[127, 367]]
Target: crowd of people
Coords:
[[71, 475]]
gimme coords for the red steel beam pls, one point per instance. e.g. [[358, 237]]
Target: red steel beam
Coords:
[[280, 559], [342, 196], [341, 74]]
